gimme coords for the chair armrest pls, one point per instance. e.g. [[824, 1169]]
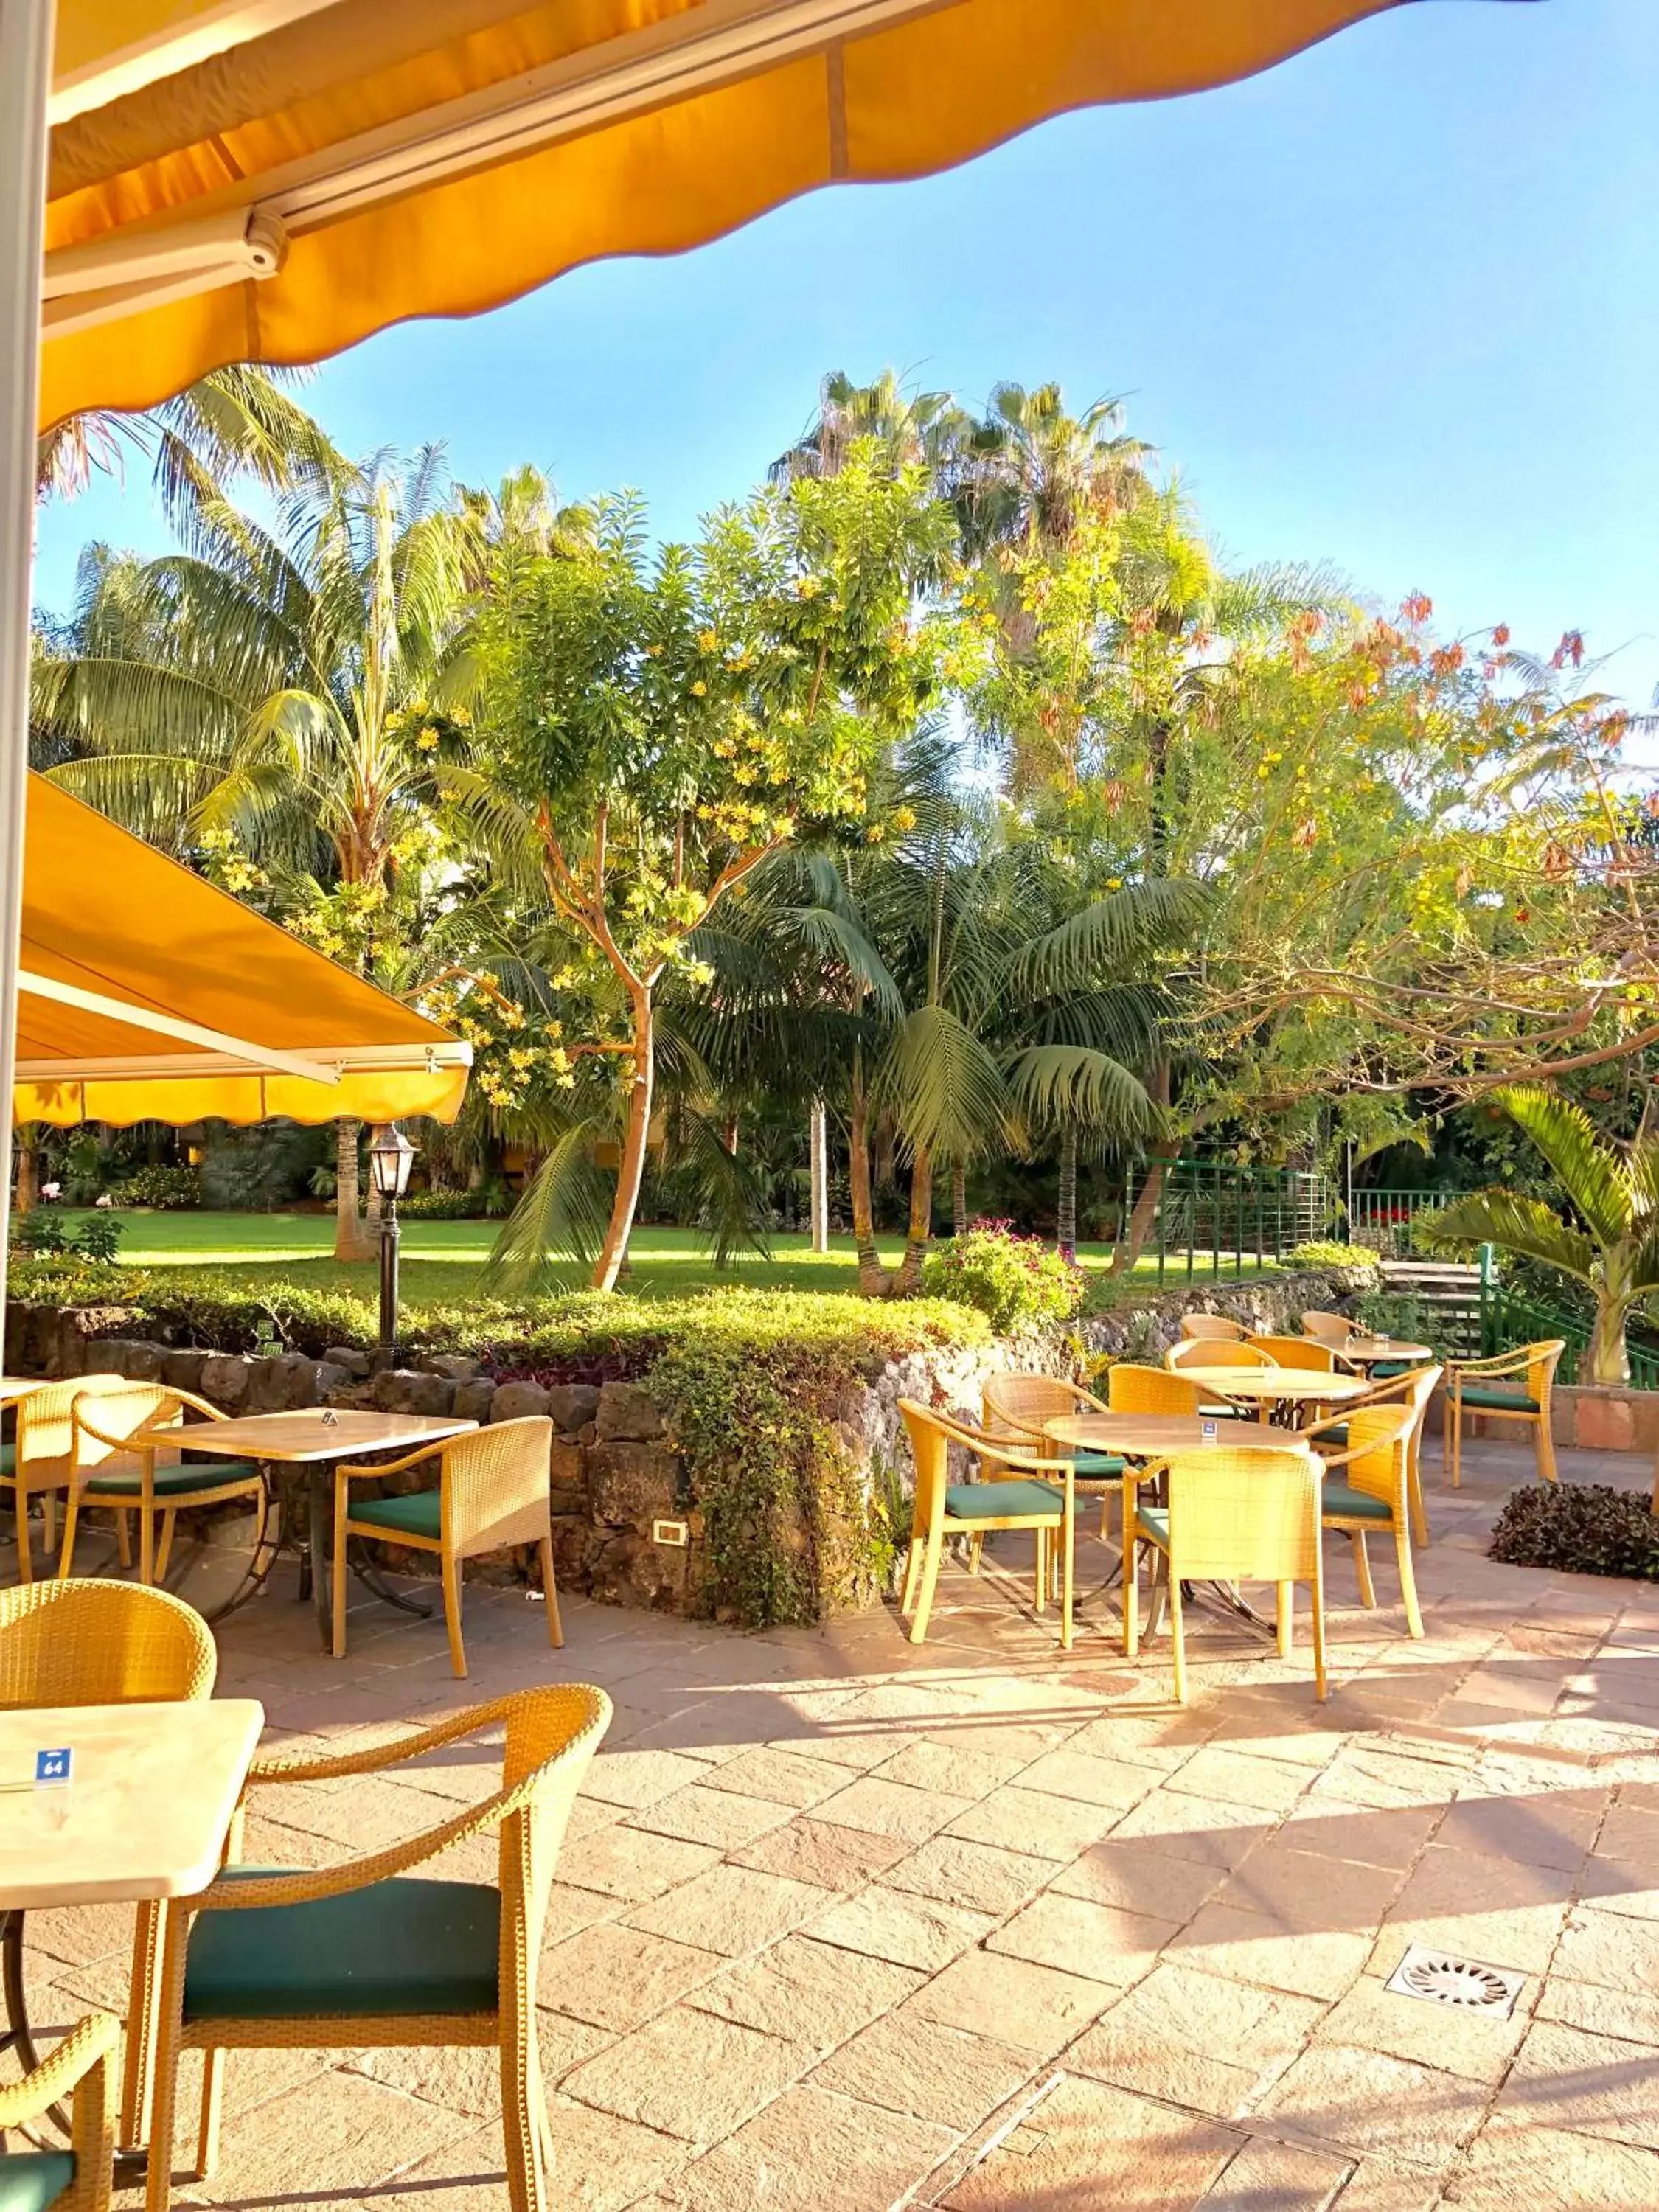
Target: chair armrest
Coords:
[[1028, 1462], [1094, 1404], [202, 1405], [433, 1450], [285, 1766], [84, 2047], [250, 1893], [1503, 1363]]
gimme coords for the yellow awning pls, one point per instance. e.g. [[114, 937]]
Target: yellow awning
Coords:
[[145, 994], [271, 181]]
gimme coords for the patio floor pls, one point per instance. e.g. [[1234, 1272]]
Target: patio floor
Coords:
[[841, 1924]]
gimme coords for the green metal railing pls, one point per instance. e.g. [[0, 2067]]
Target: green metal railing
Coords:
[[1509, 1319], [1213, 1221], [1384, 1218]]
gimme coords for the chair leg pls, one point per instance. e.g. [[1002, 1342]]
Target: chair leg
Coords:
[[342, 1515], [1042, 1569], [452, 1613], [169, 1522], [123, 1537], [1454, 1437], [523, 2126], [66, 1549], [169, 2011], [925, 1586], [1320, 1684], [1546, 1449], [1418, 1505], [1284, 1617], [1177, 1636], [25, 1548], [976, 1553], [551, 1592], [146, 1547], [1362, 1568], [912, 1573], [1402, 1545], [213, 2095], [1131, 1594], [1067, 1549], [140, 2057]]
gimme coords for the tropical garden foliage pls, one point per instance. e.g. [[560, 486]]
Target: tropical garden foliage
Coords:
[[948, 783]]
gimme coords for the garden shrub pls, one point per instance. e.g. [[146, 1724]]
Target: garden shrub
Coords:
[[168, 1190], [488, 1203], [1016, 1282], [1326, 1252], [49, 1235], [1581, 1529]]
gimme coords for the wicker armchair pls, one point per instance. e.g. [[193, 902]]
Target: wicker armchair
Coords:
[[355, 1955], [1216, 1327], [1229, 1516], [42, 1462], [1042, 1497], [80, 2179], [1332, 1328], [1303, 1352], [1130, 1389], [1373, 1494], [1210, 1352], [1482, 1389], [152, 1481], [1020, 1405], [493, 1490], [95, 1643]]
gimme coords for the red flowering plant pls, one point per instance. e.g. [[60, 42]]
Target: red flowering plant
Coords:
[[1016, 1281]]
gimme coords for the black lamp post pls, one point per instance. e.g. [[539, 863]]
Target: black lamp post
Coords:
[[390, 1158]]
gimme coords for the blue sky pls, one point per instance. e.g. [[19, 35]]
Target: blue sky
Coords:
[[1394, 305]]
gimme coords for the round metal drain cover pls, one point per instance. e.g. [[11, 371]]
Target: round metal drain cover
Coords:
[[1439, 1977]]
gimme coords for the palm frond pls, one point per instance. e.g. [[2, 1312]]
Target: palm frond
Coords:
[[1524, 1225], [1105, 938], [1590, 1172], [1057, 1086], [946, 1088], [558, 1224]]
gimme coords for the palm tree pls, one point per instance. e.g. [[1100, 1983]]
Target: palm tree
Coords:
[[295, 691], [1027, 472], [1611, 1246], [910, 426]]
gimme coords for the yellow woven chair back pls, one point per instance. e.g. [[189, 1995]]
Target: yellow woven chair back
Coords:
[[1133, 1389], [1195, 1325], [1246, 1516], [1379, 1438], [1297, 1352], [1018, 1404], [552, 1733], [87, 1642], [107, 1417], [45, 1426], [1329, 1328], [1542, 1360], [1208, 1352], [494, 1485]]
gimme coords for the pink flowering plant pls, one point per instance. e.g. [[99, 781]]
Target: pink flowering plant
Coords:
[[1015, 1281]]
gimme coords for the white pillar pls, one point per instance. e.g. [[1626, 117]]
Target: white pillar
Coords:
[[820, 1149], [25, 69]]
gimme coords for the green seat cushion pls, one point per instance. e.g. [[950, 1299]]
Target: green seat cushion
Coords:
[[999, 1501], [174, 1481], [419, 1514], [1153, 1521], [8, 1459], [1384, 1368], [1334, 1440], [1226, 1413], [1096, 1467], [1491, 1399], [34, 2180], [1339, 1501], [402, 1946]]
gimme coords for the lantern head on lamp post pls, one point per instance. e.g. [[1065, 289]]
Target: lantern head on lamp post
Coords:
[[390, 1158]]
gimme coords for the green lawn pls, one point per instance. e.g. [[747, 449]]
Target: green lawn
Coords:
[[440, 1259]]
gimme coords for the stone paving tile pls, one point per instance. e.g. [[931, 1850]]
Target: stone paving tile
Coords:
[[616, 1977], [626, 1862], [1199, 1828], [891, 1808], [910, 1931], [1277, 2177], [688, 2073], [978, 1875], [784, 1777], [907, 2064], [1590, 2084], [1310, 1889], [1478, 2045], [637, 1778], [1610, 1949], [862, 2157], [817, 1852], [1136, 1877], [1251, 1948], [600, 2164], [1369, 1836], [1628, 2015], [1549, 2170], [1115, 1783], [808, 1992], [1033, 2007], [955, 1768], [1365, 2100], [1034, 1821], [1195, 2040], [1081, 1936], [1555, 1829], [723, 1818], [731, 1909], [1086, 2145], [331, 2136], [1236, 1778]]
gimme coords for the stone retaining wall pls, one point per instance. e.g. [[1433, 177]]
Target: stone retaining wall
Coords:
[[615, 1470]]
